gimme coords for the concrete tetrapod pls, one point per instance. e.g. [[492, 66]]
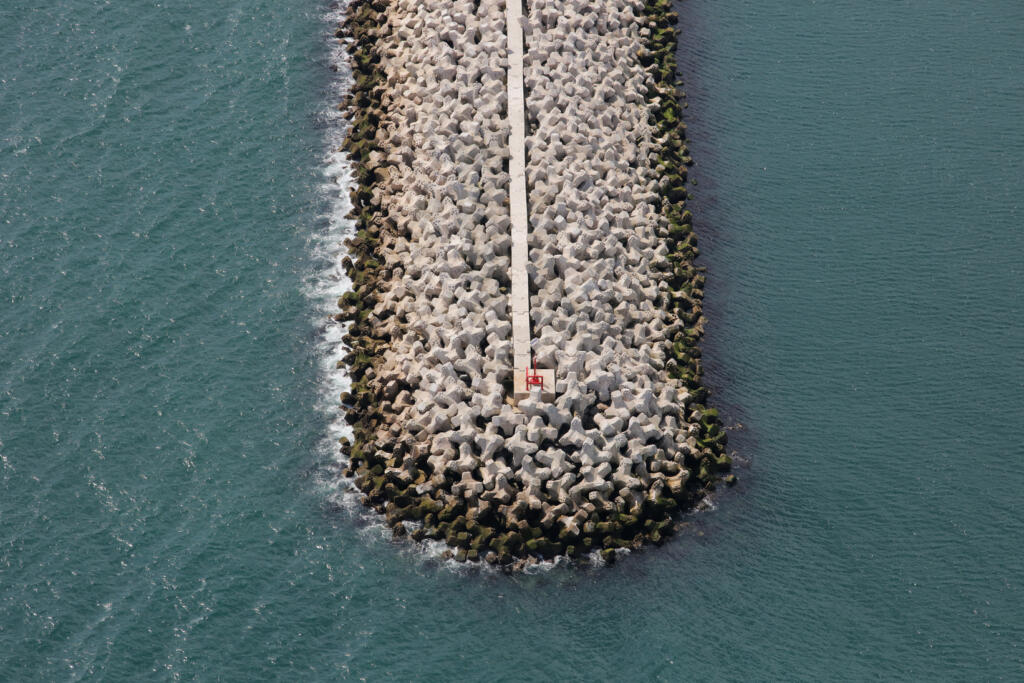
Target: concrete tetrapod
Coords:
[[614, 296]]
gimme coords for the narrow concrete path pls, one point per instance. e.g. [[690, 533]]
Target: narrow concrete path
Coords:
[[520, 294]]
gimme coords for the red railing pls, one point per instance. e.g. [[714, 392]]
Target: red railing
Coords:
[[534, 380]]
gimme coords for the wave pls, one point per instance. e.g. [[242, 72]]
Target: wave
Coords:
[[328, 280]]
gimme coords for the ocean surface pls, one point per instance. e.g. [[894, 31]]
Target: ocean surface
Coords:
[[170, 224]]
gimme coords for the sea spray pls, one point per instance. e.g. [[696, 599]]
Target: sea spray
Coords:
[[328, 281]]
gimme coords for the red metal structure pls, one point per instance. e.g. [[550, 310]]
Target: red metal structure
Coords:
[[536, 379]]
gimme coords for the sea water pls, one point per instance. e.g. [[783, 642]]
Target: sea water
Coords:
[[171, 221]]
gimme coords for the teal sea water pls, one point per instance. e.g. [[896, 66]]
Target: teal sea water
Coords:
[[168, 217]]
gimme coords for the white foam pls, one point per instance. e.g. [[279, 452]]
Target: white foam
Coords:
[[328, 281]]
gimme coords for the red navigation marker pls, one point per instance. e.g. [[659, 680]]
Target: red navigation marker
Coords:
[[536, 379]]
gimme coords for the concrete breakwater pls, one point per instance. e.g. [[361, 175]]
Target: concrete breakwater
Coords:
[[440, 447]]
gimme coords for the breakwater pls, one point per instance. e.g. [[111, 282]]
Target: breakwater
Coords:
[[604, 458]]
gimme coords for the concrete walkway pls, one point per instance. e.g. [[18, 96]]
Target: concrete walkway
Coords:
[[520, 295]]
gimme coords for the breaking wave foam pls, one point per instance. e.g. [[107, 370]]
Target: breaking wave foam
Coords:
[[328, 280]]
